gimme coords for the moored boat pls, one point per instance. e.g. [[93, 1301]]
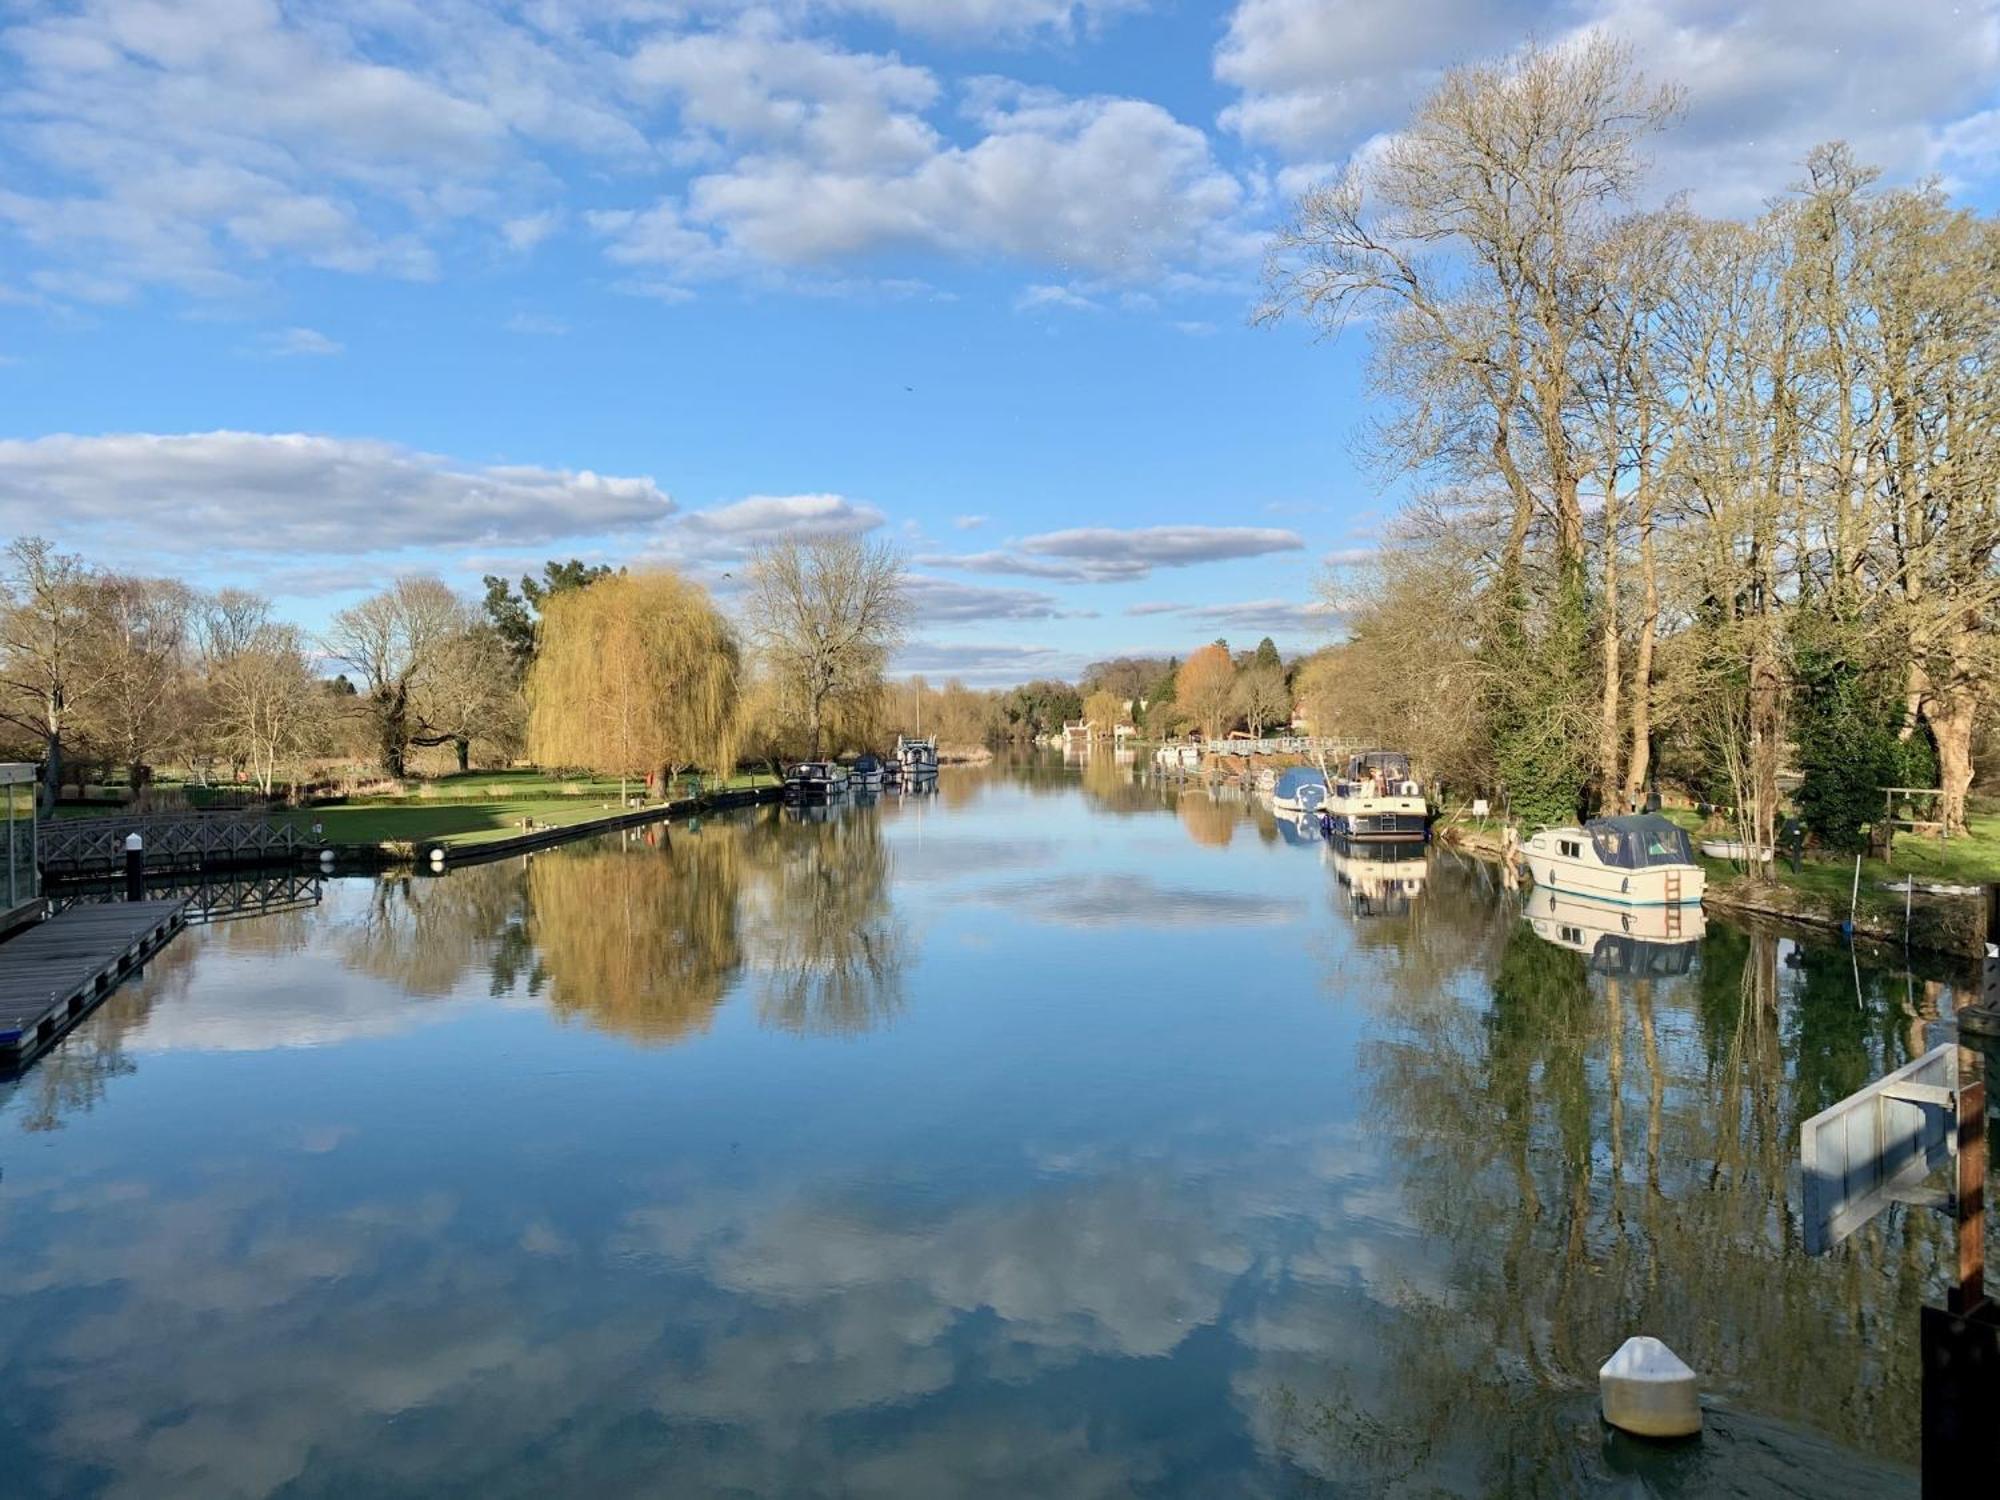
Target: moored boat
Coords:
[[1298, 789], [1376, 800], [815, 780], [1640, 859], [916, 757], [866, 774]]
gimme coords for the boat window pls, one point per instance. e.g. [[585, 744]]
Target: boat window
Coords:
[[1570, 848]]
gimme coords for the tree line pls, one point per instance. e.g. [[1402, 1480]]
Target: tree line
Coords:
[[627, 672], [1693, 498]]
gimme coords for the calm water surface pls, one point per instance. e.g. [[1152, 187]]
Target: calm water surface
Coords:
[[1055, 1135]]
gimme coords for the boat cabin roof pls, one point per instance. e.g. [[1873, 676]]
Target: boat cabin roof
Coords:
[[1638, 841], [1293, 777]]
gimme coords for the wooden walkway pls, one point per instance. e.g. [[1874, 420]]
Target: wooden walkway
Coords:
[[55, 971]]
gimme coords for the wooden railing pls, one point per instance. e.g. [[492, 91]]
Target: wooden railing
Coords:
[[78, 848]]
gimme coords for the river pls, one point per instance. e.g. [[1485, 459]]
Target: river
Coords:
[[1058, 1134]]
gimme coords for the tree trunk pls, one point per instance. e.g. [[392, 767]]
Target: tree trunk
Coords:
[[1951, 716], [464, 748], [1607, 731], [1641, 761], [1766, 745]]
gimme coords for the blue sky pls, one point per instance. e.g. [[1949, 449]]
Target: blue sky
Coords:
[[305, 295]]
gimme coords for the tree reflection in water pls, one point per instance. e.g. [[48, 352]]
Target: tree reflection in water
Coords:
[[825, 937], [640, 937], [426, 933], [1593, 1155]]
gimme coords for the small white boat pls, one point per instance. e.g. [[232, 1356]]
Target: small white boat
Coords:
[[1734, 849], [1638, 860], [866, 774]]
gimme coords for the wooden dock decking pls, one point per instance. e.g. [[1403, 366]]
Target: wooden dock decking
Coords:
[[53, 973]]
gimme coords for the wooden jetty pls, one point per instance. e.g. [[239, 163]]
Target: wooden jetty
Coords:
[[53, 973]]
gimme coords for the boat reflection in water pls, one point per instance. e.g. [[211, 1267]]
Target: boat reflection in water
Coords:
[[1638, 942], [1381, 880]]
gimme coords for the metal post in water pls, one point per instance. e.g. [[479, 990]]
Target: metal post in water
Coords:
[[135, 867]]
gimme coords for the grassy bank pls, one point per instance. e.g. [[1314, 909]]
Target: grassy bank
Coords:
[[477, 807]]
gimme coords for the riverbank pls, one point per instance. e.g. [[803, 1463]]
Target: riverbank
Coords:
[[472, 808], [434, 840], [1953, 924]]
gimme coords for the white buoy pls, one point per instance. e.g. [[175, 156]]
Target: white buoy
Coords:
[[1646, 1389], [437, 856], [326, 856]]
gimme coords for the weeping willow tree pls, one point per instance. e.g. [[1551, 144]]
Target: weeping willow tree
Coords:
[[636, 675]]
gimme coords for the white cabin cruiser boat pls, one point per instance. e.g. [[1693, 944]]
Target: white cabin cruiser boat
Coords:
[[1376, 800], [1637, 860], [916, 757], [867, 774], [1638, 942]]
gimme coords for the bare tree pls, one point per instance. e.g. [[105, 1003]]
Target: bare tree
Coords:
[[1473, 237], [262, 703], [825, 613], [1262, 698], [396, 642], [138, 644], [46, 672]]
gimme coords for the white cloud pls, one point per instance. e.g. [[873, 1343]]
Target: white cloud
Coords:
[[969, 523], [983, 664], [279, 493], [940, 601], [1004, 19], [538, 325], [827, 155], [525, 232], [762, 516], [1904, 84], [290, 343], [1104, 554], [1034, 298]]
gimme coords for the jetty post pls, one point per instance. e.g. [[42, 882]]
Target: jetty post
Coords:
[[135, 866]]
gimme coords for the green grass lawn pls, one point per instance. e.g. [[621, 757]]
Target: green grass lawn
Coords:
[[476, 808]]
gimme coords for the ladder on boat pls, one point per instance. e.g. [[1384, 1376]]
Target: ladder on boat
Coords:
[[1673, 904]]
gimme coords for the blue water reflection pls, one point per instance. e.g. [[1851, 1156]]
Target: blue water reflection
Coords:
[[1061, 1133]]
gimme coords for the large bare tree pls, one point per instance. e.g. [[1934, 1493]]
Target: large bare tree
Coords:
[[397, 643], [47, 675], [825, 613]]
